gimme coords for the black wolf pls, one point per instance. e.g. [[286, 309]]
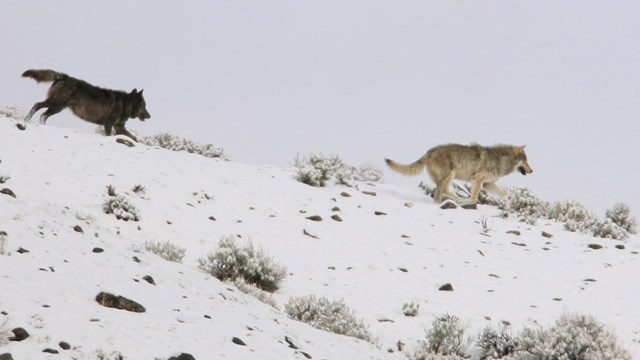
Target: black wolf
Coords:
[[111, 108]]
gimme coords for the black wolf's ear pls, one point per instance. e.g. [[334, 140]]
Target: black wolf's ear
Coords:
[[134, 91], [141, 91]]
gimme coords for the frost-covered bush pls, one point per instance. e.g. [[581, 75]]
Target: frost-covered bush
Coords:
[[620, 215], [608, 229], [446, 337], [252, 290], [430, 356], [573, 337], [121, 208], [410, 309], [12, 112], [330, 315], [526, 206], [321, 170], [165, 250], [495, 344], [575, 216], [230, 262], [176, 143]]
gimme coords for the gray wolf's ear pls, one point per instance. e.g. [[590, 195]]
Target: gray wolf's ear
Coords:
[[141, 91], [134, 91]]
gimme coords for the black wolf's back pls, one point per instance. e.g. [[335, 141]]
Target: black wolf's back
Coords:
[[44, 75]]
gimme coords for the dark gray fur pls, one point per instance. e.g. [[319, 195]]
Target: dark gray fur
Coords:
[[110, 108]]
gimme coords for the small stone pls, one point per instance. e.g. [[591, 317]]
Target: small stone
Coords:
[[403, 269], [446, 287], [405, 236], [19, 334], [408, 204], [136, 259], [448, 204], [21, 126], [118, 302], [547, 235], [183, 356], [149, 279], [6, 356], [595, 246], [380, 213], [335, 208], [314, 218], [305, 232], [370, 193], [22, 250], [470, 206], [238, 341], [64, 345], [78, 229], [50, 351], [212, 218], [9, 192], [620, 247], [97, 250], [514, 232], [345, 194], [336, 218]]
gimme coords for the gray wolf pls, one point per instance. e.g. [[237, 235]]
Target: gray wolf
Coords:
[[110, 108], [480, 165]]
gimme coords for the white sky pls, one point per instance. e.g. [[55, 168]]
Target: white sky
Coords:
[[267, 80]]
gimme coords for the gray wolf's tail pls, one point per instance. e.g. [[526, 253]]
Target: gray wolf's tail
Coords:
[[414, 168], [44, 75]]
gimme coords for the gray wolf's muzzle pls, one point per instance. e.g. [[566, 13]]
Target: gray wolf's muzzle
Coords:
[[523, 171]]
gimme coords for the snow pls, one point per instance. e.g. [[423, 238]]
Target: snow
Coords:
[[375, 263]]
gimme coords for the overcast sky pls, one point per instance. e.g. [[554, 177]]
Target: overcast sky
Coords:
[[365, 79]]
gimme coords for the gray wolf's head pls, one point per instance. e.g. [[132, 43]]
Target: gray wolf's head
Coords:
[[139, 109], [522, 164]]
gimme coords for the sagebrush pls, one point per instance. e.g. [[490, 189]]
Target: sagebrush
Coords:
[[231, 261], [176, 143], [166, 250], [121, 207], [330, 315], [321, 170]]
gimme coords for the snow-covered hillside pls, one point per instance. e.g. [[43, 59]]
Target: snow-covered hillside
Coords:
[[382, 255]]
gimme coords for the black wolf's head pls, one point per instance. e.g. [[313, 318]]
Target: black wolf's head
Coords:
[[139, 109]]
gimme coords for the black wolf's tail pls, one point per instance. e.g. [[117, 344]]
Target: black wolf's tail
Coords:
[[44, 75]]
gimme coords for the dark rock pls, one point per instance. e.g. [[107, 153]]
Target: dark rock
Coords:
[[238, 341], [212, 218], [135, 258], [97, 250], [345, 194], [64, 345], [50, 351], [6, 356], [7, 191], [514, 232], [547, 235], [336, 218], [379, 213], [446, 287], [370, 193], [19, 334], [183, 356], [21, 126], [314, 218], [620, 247], [149, 279], [22, 250], [304, 231], [335, 208], [118, 302], [448, 205], [403, 269], [290, 342], [78, 228], [305, 355], [125, 142], [595, 246]]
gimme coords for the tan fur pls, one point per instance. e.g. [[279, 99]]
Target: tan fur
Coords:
[[481, 166]]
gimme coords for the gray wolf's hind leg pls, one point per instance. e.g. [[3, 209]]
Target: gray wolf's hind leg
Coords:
[[120, 130], [37, 106], [52, 110]]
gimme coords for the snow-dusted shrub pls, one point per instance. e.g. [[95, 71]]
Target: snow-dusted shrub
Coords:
[[12, 112], [620, 215], [446, 337], [3, 242], [121, 208], [252, 290], [495, 344], [608, 229], [526, 206], [430, 356], [139, 189], [573, 337], [410, 309], [575, 216], [165, 250], [230, 262], [176, 143], [330, 315], [369, 173]]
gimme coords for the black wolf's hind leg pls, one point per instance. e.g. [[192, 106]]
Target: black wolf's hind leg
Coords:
[[120, 130], [52, 110], [37, 106]]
